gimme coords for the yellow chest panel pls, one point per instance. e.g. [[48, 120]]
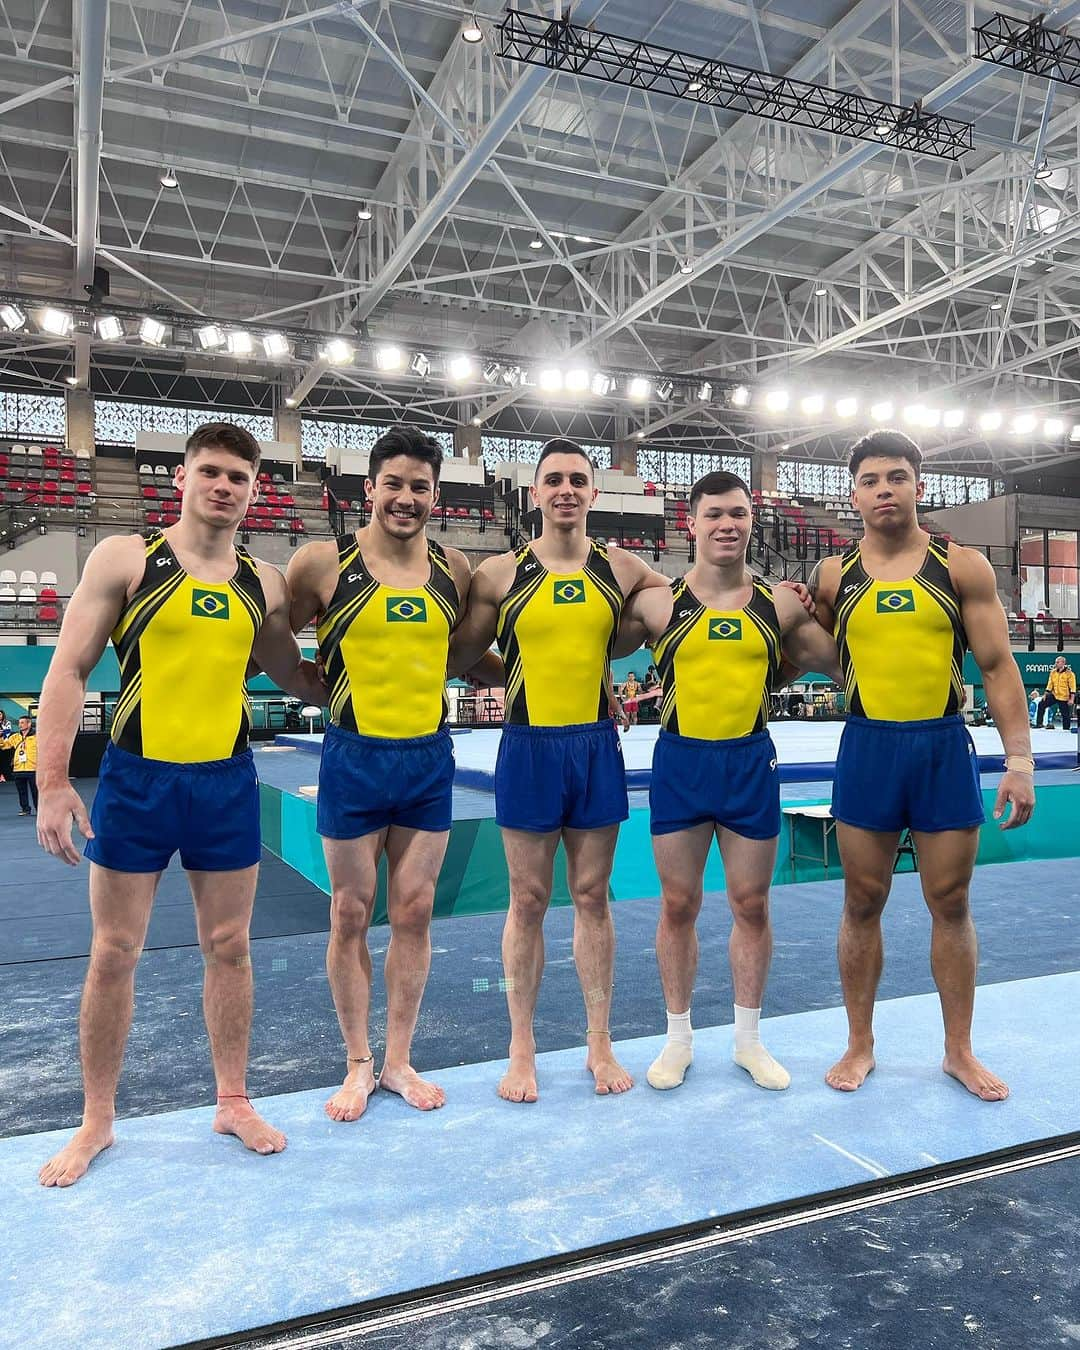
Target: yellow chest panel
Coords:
[[721, 676], [192, 658], [394, 652], [562, 634], [900, 645]]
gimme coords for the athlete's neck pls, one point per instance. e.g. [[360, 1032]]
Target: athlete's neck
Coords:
[[378, 546], [205, 544], [562, 549], [885, 545], [721, 585]]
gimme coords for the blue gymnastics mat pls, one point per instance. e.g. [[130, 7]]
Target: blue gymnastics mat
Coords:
[[178, 1234]]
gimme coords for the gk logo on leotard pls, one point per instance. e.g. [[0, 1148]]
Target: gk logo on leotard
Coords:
[[406, 609], [569, 593], [209, 604], [895, 602], [729, 630]]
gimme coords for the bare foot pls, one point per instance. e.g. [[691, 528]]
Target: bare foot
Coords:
[[238, 1116], [851, 1070], [609, 1073], [407, 1083], [518, 1083], [351, 1099], [66, 1167], [976, 1077]]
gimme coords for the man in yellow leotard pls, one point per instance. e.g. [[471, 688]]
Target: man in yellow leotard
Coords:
[[554, 606], [719, 637], [386, 600], [903, 607], [187, 609]]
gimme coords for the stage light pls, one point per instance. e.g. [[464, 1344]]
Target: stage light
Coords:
[[1053, 427], [1043, 172], [364, 212], [686, 267], [275, 346], [210, 337], [420, 365], [777, 400], [1074, 435], [694, 86], [536, 242], [338, 352], [58, 322], [813, 405], [990, 421], [883, 129], [882, 412], [664, 389], [821, 290], [73, 380], [290, 402], [577, 380], [995, 306], [931, 417], [550, 379], [639, 388], [583, 239], [152, 331], [388, 358], [471, 30], [511, 376], [109, 328], [847, 407], [1023, 424], [913, 413], [12, 317], [169, 179], [740, 396], [953, 418], [704, 392], [601, 384], [491, 371], [459, 368], [240, 343]]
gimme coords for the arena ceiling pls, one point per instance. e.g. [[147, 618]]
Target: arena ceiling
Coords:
[[673, 236]]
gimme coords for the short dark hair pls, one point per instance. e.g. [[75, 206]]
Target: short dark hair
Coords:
[[885, 444], [562, 445], [25, 717], [224, 436], [403, 439], [715, 484]]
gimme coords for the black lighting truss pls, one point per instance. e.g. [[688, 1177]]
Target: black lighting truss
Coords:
[[562, 45], [1025, 45]]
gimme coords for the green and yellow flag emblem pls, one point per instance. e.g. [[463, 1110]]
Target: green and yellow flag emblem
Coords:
[[895, 602], [569, 592], [209, 604], [725, 630], [406, 609]]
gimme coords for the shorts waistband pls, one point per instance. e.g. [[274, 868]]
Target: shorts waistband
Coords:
[[572, 729], [722, 743], [385, 742], [926, 724], [186, 766]]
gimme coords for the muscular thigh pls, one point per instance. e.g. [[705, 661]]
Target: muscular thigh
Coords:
[[223, 900], [530, 860], [748, 864], [946, 862], [120, 903], [590, 855], [414, 859], [680, 862]]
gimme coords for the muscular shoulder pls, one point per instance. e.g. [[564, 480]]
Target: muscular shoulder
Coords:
[[631, 572], [494, 575], [970, 572], [272, 582], [118, 559], [825, 581]]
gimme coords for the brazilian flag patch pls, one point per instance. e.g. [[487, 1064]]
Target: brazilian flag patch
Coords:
[[725, 630], [895, 602], [406, 609], [569, 593], [209, 604]]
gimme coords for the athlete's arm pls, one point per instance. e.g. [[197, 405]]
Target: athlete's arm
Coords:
[[823, 586], [305, 574], [488, 671], [806, 644], [988, 633], [111, 571], [633, 573], [644, 617], [276, 650], [476, 632]]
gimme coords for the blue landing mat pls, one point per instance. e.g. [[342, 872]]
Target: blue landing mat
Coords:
[[181, 1235]]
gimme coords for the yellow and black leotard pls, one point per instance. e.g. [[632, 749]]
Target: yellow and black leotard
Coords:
[[717, 666], [556, 631], [901, 643], [385, 647], [183, 646]]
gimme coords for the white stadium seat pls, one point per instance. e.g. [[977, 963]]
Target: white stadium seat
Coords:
[[27, 579], [47, 579], [7, 578]]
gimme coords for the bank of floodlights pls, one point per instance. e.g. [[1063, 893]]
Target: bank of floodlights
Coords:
[[559, 44], [1029, 47]]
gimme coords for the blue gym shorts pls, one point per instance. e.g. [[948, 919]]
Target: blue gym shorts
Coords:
[[733, 783], [145, 810], [551, 778], [894, 776], [367, 783]]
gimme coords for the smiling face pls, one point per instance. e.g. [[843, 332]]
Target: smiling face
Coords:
[[217, 487], [402, 496], [721, 524], [564, 490], [884, 493]]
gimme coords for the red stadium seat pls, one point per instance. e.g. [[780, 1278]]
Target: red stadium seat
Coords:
[[47, 593], [150, 493], [48, 614], [297, 525], [153, 517], [67, 475], [67, 501], [84, 489]]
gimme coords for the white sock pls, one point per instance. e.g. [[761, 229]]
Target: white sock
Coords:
[[746, 1027], [679, 1030]]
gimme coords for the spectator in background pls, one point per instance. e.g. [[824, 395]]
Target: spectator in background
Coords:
[[1060, 693], [630, 699], [5, 754], [23, 744]]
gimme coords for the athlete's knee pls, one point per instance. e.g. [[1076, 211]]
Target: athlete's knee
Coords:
[[410, 910], [114, 955], [680, 906], [529, 902], [591, 898], [226, 944], [750, 908], [864, 899], [350, 911], [948, 903]]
